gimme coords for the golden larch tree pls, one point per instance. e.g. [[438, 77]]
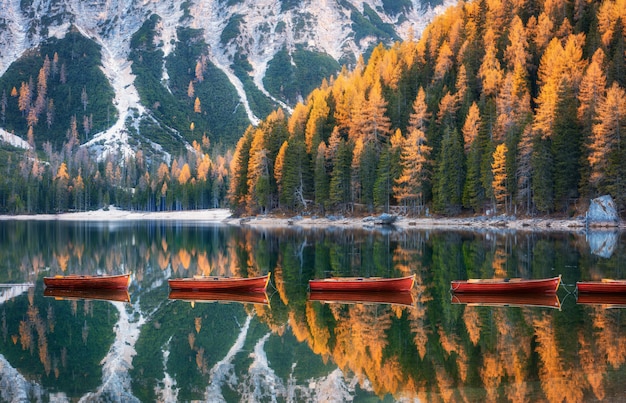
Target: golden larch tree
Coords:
[[498, 169]]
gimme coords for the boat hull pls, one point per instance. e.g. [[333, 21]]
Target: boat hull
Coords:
[[121, 281], [362, 284], [361, 297], [508, 300], [246, 297], [546, 286], [102, 294], [217, 283], [602, 287]]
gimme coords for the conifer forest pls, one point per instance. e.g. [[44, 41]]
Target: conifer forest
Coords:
[[499, 107]]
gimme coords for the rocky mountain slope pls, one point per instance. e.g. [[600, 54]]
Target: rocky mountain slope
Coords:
[[267, 53]]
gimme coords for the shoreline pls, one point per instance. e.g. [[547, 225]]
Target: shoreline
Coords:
[[224, 216]]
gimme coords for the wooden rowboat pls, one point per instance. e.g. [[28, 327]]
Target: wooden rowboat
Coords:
[[515, 285], [360, 297], [362, 284], [121, 281], [219, 283], [604, 286], [244, 297], [508, 300], [103, 294]]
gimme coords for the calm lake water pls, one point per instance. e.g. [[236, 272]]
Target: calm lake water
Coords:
[[284, 346]]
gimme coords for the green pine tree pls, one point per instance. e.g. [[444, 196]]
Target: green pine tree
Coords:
[[450, 174]]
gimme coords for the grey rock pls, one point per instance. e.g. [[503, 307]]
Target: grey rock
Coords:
[[602, 211]]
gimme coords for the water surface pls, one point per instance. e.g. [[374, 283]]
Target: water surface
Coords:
[[285, 346]]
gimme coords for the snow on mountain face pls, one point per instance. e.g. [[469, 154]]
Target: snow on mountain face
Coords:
[[266, 27]]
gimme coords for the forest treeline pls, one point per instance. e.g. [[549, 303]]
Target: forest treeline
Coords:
[[57, 97], [501, 106], [506, 107]]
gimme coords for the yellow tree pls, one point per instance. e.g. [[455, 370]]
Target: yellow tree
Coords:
[[552, 79], [279, 165], [592, 87], [517, 49], [607, 148], [420, 116], [184, 175], [490, 71], [498, 169], [196, 106], [259, 169], [24, 100], [378, 126], [444, 62], [317, 118], [414, 160], [590, 95], [190, 90], [203, 168], [200, 70], [543, 31], [471, 126]]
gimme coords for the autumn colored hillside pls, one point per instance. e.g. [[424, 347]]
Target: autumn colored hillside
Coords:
[[513, 107]]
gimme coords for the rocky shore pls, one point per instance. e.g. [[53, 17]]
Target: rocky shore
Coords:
[[501, 222], [224, 216]]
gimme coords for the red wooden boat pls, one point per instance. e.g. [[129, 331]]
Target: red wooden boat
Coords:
[[362, 284], [361, 297], [500, 285], [508, 300], [121, 281], [219, 283], [612, 300], [259, 297], [604, 286], [103, 294]]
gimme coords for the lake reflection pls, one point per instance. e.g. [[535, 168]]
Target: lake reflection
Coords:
[[287, 345]]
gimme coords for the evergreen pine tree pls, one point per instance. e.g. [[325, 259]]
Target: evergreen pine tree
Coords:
[[542, 175], [450, 174], [340, 190], [322, 184]]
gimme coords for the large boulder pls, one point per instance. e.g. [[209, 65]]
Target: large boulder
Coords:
[[602, 211]]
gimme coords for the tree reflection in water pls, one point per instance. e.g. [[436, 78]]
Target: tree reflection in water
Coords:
[[292, 347]]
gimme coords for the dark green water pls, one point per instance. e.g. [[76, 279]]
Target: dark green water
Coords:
[[290, 348]]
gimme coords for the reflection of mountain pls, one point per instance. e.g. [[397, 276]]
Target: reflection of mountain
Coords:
[[13, 386], [55, 340], [294, 348], [10, 291]]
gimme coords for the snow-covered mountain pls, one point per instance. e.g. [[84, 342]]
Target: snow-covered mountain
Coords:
[[254, 30]]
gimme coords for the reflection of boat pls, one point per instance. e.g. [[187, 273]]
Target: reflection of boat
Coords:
[[609, 300], [501, 285], [508, 300], [85, 281], [362, 284], [220, 296], [215, 283], [106, 294], [359, 297], [604, 286]]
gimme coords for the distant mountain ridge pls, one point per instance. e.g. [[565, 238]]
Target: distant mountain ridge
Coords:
[[262, 54]]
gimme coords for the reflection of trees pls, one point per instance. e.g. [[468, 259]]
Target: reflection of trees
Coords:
[[53, 342], [433, 348], [559, 379]]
